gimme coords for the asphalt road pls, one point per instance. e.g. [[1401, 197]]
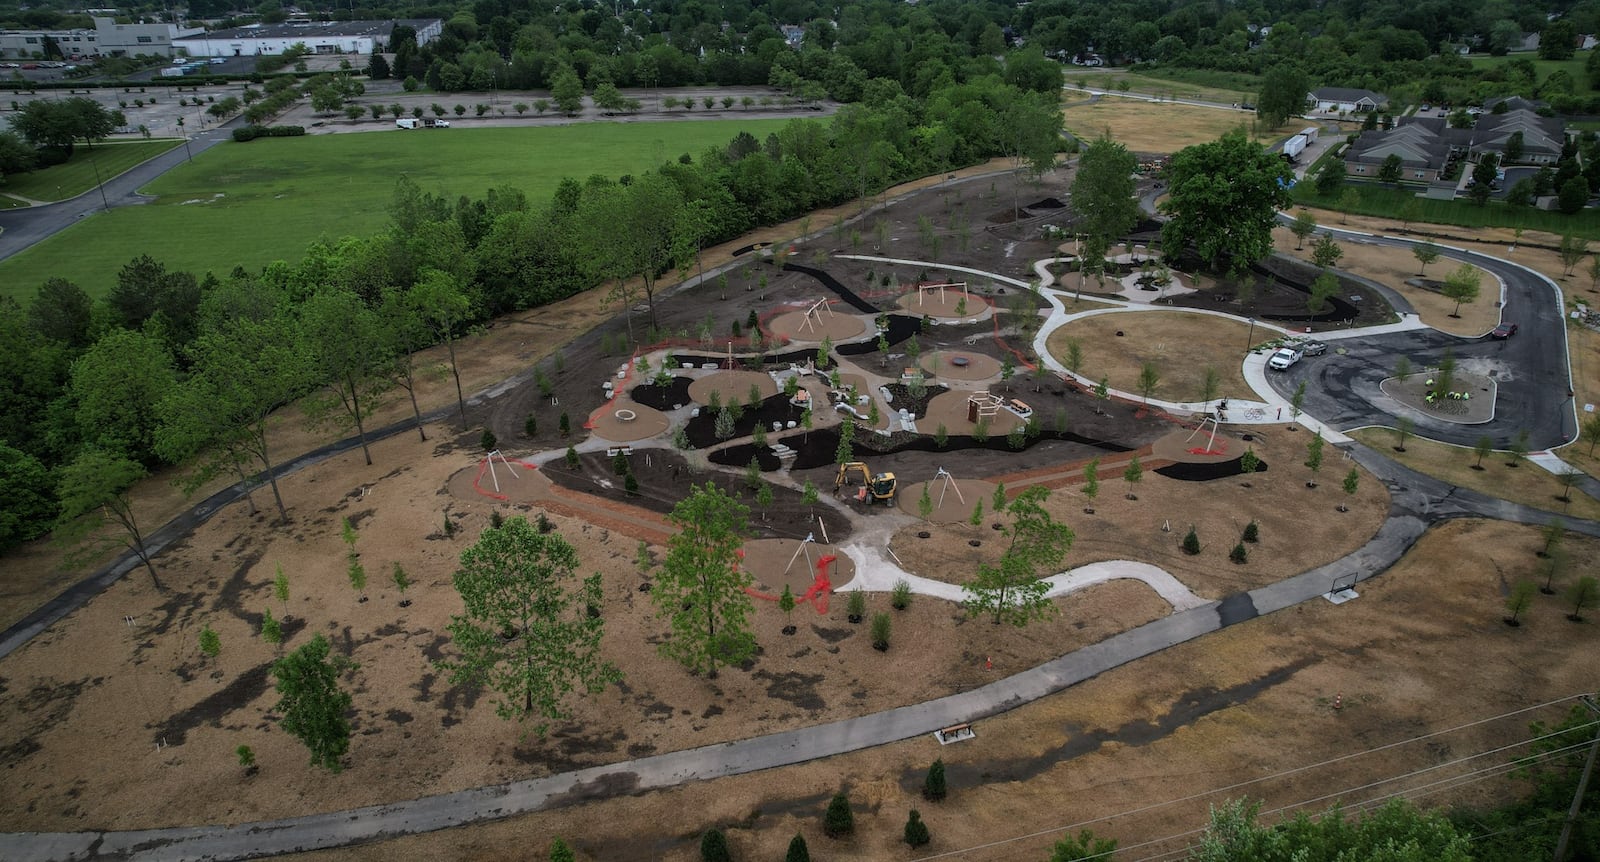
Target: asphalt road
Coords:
[[1530, 369], [22, 228]]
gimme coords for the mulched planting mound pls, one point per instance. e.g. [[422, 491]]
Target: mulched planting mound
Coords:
[[902, 399], [1046, 204], [739, 456], [702, 429], [1206, 472], [675, 394]]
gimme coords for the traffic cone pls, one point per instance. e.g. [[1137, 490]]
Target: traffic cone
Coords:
[[1338, 701], [988, 663]]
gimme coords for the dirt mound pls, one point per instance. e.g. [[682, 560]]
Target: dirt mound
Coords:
[[1046, 204]]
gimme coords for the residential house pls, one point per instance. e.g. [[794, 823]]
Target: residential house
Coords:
[[1346, 100], [1427, 145]]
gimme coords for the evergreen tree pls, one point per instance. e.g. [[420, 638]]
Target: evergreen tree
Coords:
[[839, 821], [797, 848], [933, 787], [714, 846], [916, 830]]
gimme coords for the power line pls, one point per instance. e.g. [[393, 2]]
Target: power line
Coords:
[[1231, 787]]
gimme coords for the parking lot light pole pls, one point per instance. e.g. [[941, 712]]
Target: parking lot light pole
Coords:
[[98, 182]]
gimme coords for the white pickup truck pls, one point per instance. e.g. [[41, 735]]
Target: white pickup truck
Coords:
[[1284, 357]]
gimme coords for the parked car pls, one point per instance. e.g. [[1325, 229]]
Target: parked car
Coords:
[[1283, 357], [1504, 330]]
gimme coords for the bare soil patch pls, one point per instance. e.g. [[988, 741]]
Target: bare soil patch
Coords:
[[804, 326], [1247, 703], [1180, 345]]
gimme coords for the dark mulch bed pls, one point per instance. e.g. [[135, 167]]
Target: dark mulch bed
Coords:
[[1205, 472], [1046, 204], [663, 398], [835, 285], [702, 429], [901, 328], [664, 479], [902, 399], [739, 456]]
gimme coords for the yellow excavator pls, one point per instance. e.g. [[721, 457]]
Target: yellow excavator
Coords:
[[874, 486]]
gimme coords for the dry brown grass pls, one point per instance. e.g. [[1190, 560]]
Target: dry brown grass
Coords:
[[1239, 705], [1528, 484], [1391, 267], [1180, 344], [1155, 127]]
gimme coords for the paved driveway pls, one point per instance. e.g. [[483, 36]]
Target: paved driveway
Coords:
[[1530, 368]]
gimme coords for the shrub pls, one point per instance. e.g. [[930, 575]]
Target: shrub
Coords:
[[572, 458], [797, 850], [900, 597], [1191, 543], [530, 426], [839, 821], [881, 626], [1252, 533], [856, 605], [487, 440], [933, 787], [714, 846], [916, 830], [1239, 555]]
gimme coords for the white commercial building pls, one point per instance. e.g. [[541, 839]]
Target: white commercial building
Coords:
[[320, 37]]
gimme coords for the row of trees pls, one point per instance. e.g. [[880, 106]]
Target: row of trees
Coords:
[[46, 132], [194, 367]]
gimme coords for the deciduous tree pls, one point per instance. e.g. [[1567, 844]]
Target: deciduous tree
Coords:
[[1304, 225], [348, 353], [1462, 286], [1012, 591], [526, 631], [701, 589], [1283, 94], [1425, 253], [245, 364], [118, 384], [311, 703], [94, 494], [1224, 200], [1103, 190], [442, 302]]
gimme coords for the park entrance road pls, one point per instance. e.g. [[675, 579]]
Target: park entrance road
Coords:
[[21, 229], [1531, 369]]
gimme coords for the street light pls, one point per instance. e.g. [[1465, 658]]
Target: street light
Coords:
[[97, 181]]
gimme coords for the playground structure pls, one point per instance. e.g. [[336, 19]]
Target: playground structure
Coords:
[[983, 407], [808, 323], [922, 291]]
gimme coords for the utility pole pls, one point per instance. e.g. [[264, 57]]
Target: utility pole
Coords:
[[1583, 784]]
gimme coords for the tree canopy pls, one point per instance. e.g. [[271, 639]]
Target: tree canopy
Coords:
[[1224, 199], [527, 631], [59, 123], [1103, 190], [701, 590]]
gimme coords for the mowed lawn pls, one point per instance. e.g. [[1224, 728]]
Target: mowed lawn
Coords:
[[77, 175], [1573, 67], [1157, 127], [250, 204]]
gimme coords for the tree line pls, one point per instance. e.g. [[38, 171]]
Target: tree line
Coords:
[[169, 368]]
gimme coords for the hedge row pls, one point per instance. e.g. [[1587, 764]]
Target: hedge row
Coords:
[[250, 133]]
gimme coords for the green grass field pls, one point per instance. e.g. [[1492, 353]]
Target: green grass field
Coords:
[[1204, 84], [77, 176], [250, 204], [1386, 202], [1573, 67]]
